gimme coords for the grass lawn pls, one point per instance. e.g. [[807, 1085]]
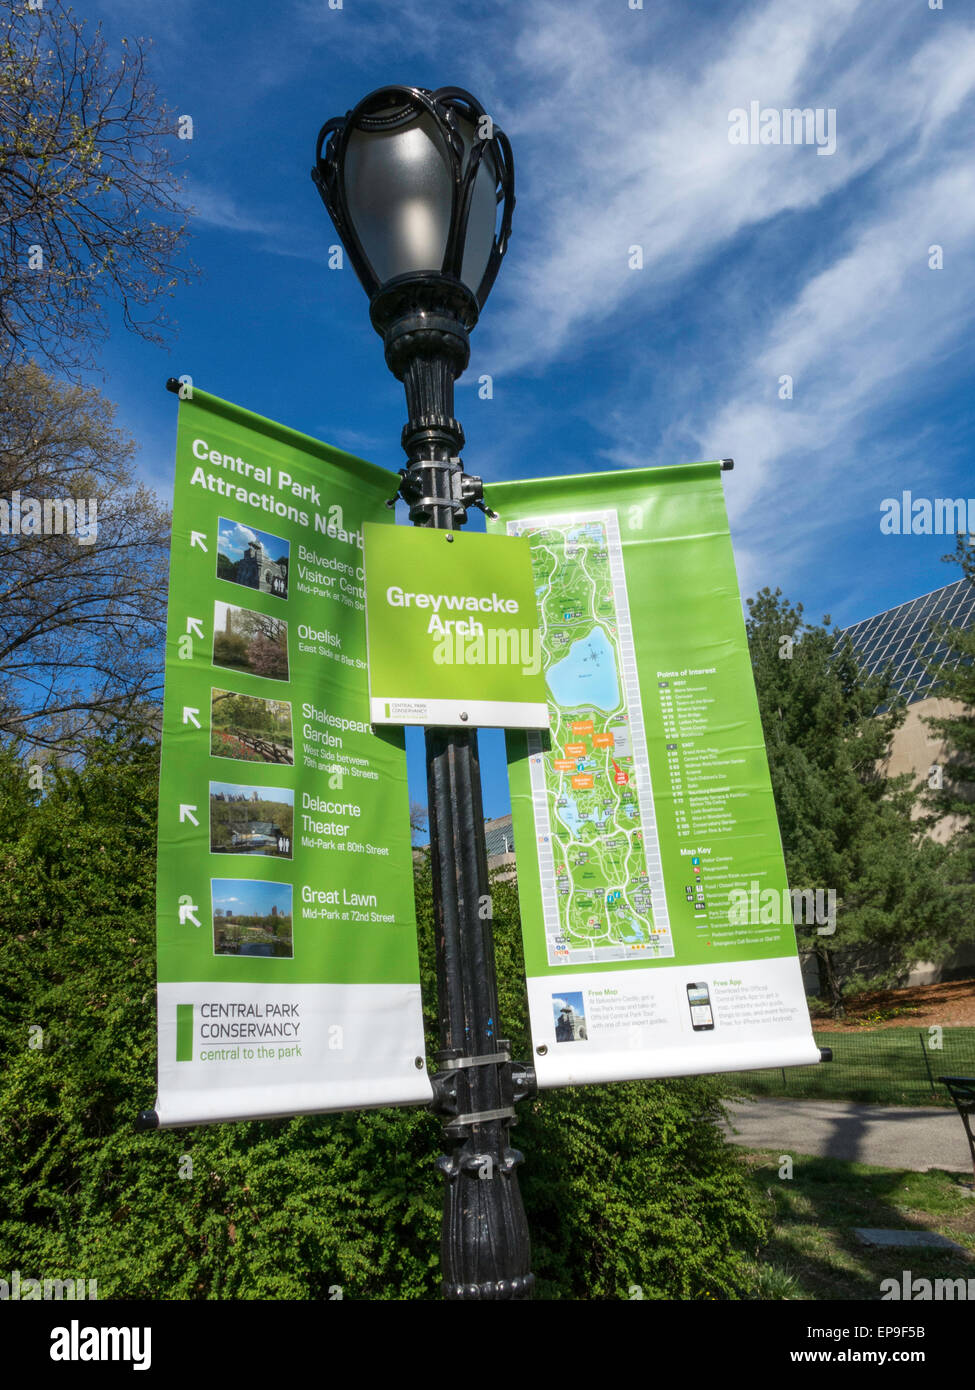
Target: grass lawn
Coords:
[[883, 1066], [813, 1253]]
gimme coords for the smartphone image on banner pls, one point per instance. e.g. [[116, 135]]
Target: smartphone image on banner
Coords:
[[699, 1002]]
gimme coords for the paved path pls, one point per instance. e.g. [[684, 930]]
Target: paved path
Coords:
[[893, 1136]]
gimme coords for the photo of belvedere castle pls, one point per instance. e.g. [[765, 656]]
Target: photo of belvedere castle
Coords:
[[244, 556]]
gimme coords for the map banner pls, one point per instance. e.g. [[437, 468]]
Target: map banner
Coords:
[[453, 630], [286, 933], [656, 915]]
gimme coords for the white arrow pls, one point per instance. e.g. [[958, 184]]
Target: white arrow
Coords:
[[193, 626], [189, 716], [197, 538], [187, 913], [186, 813]]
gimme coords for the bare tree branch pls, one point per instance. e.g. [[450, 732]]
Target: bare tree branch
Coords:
[[91, 210], [83, 625]]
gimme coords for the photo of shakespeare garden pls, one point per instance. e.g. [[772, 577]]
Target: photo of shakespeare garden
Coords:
[[250, 729]]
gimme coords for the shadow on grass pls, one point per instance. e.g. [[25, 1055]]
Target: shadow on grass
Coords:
[[814, 1214]]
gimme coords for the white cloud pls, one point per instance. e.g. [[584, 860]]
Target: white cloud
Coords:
[[618, 150], [221, 210], [235, 538], [855, 338], [623, 144]]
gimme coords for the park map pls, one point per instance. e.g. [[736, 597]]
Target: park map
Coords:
[[599, 858]]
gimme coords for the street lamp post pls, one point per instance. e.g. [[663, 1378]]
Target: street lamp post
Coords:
[[420, 188]]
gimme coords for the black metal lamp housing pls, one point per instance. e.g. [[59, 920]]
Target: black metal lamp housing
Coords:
[[420, 188], [412, 180]]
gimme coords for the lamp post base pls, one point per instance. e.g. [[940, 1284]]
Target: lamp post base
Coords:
[[485, 1247]]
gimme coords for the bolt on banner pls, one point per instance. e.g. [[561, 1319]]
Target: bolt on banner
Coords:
[[286, 931], [453, 630], [646, 818]]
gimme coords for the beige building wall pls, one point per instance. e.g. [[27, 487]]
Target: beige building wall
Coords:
[[503, 865], [916, 749]]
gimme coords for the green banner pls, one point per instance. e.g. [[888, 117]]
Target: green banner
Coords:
[[453, 630], [656, 915], [287, 956]]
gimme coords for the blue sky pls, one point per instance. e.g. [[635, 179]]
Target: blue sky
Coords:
[[759, 261], [235, 537], [250, 896]]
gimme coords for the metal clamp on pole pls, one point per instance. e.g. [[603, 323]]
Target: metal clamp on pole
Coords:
[[477, 1117], [517, 1079], [487, 1059]]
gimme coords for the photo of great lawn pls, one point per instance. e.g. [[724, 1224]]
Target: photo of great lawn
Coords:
[[251, 820], [250, 728], [251, 917], [247, 641]]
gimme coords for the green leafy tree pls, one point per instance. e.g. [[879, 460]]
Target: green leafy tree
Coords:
[[631, 1190], [845, 825], [230, 649]]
